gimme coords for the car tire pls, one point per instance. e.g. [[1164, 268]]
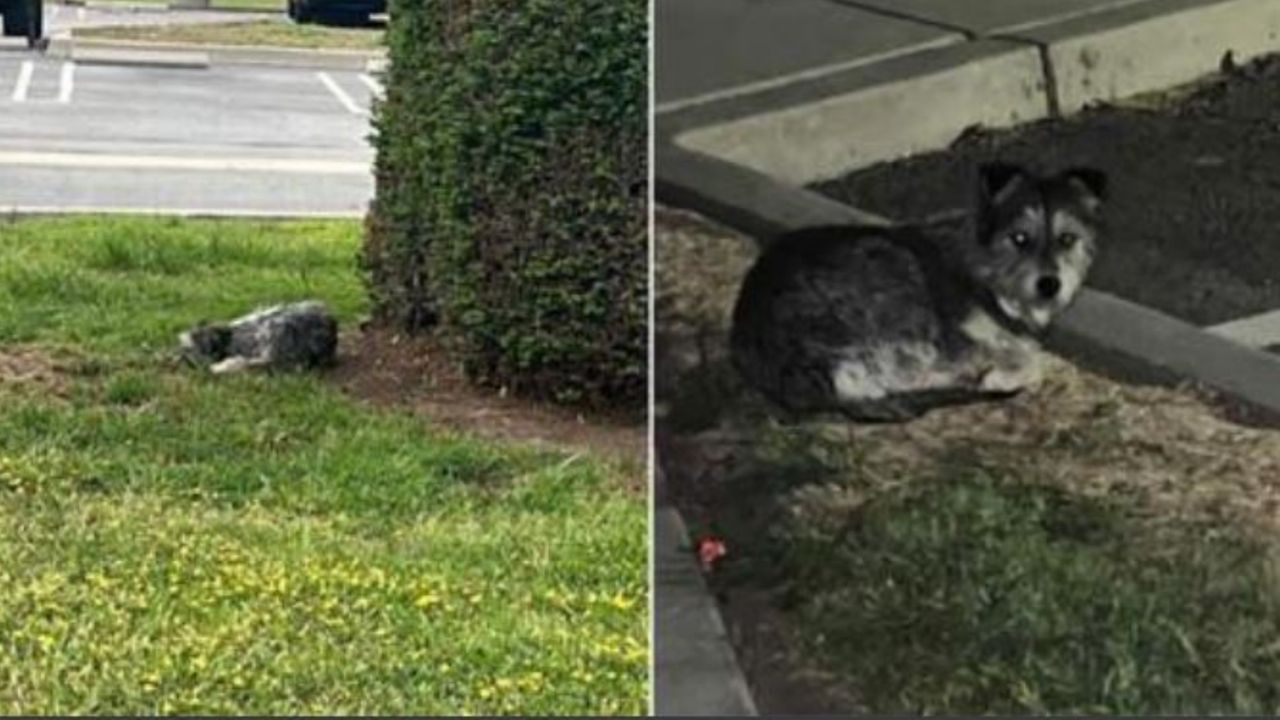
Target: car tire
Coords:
[[301, 12], [16, 18]]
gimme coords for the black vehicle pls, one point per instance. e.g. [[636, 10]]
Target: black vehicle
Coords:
[[24, 17], [345, 11]]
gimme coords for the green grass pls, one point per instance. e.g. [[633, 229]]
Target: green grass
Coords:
[[983, 591], [175, 542], [272, 33], [220, 4]]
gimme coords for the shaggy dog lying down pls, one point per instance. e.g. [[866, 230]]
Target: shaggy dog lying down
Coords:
[[300, 335]]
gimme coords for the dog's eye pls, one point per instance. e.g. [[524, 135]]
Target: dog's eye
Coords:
[[1019, 240], [1067, 239]]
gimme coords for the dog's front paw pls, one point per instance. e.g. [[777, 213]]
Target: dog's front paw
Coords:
[[230, 365], [1011, 380]]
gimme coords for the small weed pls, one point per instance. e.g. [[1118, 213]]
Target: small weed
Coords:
[[131, 388]]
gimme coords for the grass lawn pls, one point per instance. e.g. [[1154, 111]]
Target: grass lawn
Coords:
[[220, 4], [179, 543], [274, 33], [1090, 547]]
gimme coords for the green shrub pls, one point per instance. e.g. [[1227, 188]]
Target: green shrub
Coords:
[[511, 209]]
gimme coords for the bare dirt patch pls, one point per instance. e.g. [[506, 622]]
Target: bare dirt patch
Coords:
[[393, 370], [24, 369]]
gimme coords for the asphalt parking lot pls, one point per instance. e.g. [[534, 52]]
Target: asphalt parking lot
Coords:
[[221, 139]]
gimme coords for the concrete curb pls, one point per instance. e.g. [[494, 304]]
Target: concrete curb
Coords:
[[802, 133], [1123, 337], [1125, 52], [354, 60], [919, 102], [695, 670], [139, 56]]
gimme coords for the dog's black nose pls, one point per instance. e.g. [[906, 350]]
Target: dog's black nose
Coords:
[[1048, 286]]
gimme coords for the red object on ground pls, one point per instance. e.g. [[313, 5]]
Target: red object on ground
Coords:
[[710, 549]]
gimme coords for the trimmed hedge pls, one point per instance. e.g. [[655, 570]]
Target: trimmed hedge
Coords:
[[511, 210]]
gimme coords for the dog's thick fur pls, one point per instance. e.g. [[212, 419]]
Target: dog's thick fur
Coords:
[[884, 324], [296, 336]]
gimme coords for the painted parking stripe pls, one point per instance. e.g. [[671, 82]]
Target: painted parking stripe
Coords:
[[374, 86], [24, 81], [165, 162], [66, 82], [341, 94]]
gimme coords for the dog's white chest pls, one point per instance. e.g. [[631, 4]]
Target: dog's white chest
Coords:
[[1006, 361]]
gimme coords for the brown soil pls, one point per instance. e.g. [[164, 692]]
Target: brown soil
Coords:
[[25, 369], [393, 370]]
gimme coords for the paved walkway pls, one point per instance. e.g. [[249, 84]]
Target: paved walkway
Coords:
[[716, 48], [806, 90]]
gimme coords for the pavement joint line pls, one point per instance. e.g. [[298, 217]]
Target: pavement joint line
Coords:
[[1258, 331], [968, 33], [21, 87], [341, 94], [167, 162], [1047, 72], [805, 75]]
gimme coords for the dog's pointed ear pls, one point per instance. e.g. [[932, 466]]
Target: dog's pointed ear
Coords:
[[1089, 180], [996, 180], [1090, 184]]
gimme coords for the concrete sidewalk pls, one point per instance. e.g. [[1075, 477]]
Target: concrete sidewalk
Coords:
[[805, 90]]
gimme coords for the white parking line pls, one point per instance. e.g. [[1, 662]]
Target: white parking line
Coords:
[[67, 82], [374, 86], [24, 81], [166, 162], [341, 94]]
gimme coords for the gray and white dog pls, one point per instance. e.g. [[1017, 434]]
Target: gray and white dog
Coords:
[[292, 336], [883, 324]]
